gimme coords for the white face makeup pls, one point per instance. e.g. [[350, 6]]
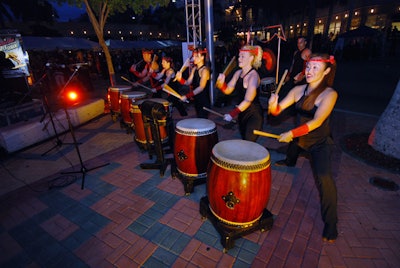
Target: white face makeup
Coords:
[[245, 58]]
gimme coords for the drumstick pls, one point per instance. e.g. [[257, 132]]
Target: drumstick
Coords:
[[231, 65], [127, 80], [281, 82], [136, 84], [143, 86], [169, 90], [217, 113], [265, 134], [183, 68]]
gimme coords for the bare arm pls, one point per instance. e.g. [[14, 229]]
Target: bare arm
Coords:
[[325, 108], [231, 85], [204, 77], [159, 75], [170, 75], [293, 95], [326, 101]]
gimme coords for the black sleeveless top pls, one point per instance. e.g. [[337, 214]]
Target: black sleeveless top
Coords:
[[241, 91], [204, 95], [316, 136], [255, 108]]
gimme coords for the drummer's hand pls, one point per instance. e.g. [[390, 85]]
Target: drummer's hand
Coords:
[[220, 80], [154, 90], [133, 67], [286, 137], [228, 117], [178, 76], [273, 100], [184, 99]]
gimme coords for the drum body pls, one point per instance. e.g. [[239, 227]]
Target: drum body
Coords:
[[114, 97], [267, 86], [238, 182], [138, 124], [194, 140], [127, 99]]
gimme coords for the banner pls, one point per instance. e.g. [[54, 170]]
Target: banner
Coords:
[[17, 63]]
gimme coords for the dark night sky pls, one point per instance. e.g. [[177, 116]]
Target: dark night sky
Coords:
[[66, 12]]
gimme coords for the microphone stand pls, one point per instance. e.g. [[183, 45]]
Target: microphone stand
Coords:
[[59, 142], [83, 170]]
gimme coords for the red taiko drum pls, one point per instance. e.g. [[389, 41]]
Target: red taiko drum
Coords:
[[238, 182], [194, 140], [127, 98], [114, 97], [140, 131]]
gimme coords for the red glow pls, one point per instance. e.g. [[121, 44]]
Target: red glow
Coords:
[[72, 95]]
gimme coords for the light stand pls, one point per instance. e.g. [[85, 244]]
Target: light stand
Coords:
[[83, 170], [59, 142]]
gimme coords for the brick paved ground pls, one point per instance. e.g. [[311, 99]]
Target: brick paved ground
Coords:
[[128, 217]]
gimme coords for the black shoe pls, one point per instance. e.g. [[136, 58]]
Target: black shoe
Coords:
[[330, 241], [282, 163], [330, 233]]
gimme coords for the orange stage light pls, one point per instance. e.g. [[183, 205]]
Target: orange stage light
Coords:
[[72, 95]]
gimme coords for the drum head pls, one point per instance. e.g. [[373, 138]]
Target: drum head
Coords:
[[159, 100], [195, 127], [240, 155], [267, 80], [133, 95], [119, 88]]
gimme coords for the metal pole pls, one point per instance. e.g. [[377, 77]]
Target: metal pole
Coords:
[[278, 60], [210, 43]]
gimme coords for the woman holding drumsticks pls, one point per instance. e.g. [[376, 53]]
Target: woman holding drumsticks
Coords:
[[165, 77], [199, 80], [245, 82], [314, 103]]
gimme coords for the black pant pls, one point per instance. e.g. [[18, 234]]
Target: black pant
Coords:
[[321, 164], [249, 120]]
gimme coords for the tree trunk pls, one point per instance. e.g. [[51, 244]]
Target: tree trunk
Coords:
[[385, 137], [110, 65], [98, 26]]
